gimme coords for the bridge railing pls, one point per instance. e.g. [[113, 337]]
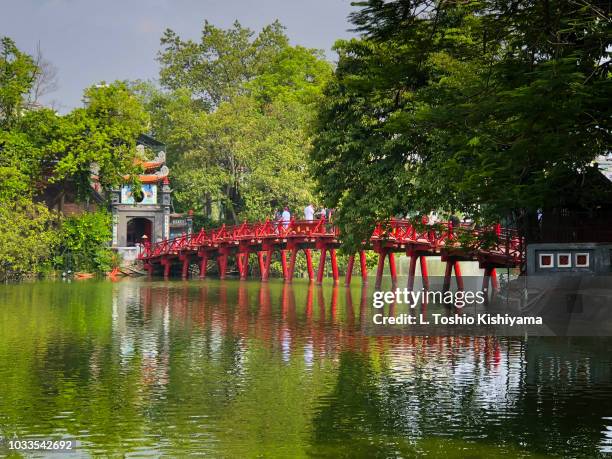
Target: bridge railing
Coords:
[[409, 231], [493, 239]]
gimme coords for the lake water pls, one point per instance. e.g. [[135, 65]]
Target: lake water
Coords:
[[244, 369]]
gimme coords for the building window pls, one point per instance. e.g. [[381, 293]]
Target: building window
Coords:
[[564, 260], [582, 260], [546, 260]]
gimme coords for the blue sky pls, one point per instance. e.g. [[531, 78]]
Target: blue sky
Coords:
[[89, 41]]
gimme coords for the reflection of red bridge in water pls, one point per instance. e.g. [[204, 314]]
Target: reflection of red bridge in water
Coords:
[[329, 320], [492, 247]]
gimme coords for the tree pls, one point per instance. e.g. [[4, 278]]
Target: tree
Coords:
[[20, 166], [27, 238], [100, 137], [216, 68], [45, 79], [17, 75], [236, 117], [491, 108], [83, 242], [294, 74], [249, 161]]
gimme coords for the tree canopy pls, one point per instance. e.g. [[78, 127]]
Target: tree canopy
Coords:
[[495, 109], [17, 75], [235, 113], [216, 68], [39, 147]]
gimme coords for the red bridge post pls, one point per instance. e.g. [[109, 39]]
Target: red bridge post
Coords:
[[284, 263], [321, 267], [424, 272], [452, 263], [448, 271], [222, 262], [324, 248], [349, 270], [266, 259], [392, 269], [292, 258], [334, 263], [414, 256], [364, 266], [185, 267], [262, 264], [490, 276], [351, 266], [382, 254], [166, 264], [203, 263], [412, 269], [308, 254], [294, 250], [494, 281], [458, 276], [242, 260]]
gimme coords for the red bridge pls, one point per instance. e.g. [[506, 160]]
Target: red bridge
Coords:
[[492, 247]]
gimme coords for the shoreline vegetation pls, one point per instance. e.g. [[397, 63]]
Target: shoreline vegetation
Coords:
[[236, 140], [479, 109]]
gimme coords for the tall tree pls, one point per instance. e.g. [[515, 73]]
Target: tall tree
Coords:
[[216, 68], [236, 117], [249, 161], [102, 134], [45, 79], [38, 147], [17, 75], [492, 108]]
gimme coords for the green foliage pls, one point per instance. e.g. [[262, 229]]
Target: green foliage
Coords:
[[20, 166], [248, 160], [476, 107], [27, 238], [17, 73], [215, 69], [38, 147], [103, 133], [295, 74], [84, 243], [43, 147], [236, 119]]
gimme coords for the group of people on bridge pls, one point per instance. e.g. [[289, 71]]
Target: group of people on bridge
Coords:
[[284, 217]]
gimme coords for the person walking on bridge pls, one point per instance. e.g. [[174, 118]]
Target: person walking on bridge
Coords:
[[286, 217], [309, 213]]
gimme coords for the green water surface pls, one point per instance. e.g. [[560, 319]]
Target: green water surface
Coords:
[[243, 369]]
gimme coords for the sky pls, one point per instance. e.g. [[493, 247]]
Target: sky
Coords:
[[90, 41]]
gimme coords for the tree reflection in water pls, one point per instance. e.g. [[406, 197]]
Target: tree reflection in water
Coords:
[[246, 368]]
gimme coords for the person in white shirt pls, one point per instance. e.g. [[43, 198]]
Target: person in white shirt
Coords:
[[286, 217], [309, 213]]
